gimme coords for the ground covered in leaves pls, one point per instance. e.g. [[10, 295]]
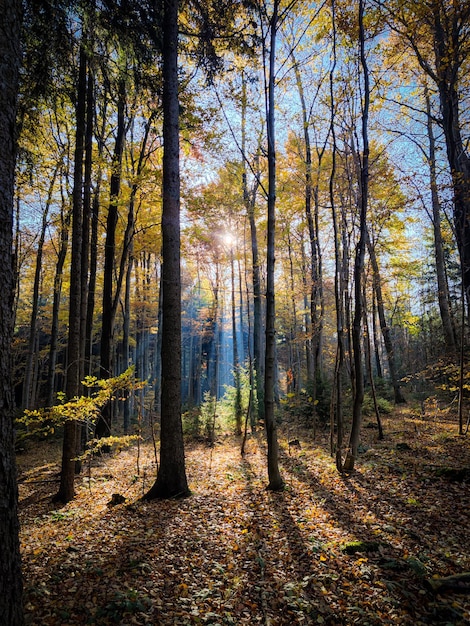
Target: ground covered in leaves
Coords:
[[330, 549]]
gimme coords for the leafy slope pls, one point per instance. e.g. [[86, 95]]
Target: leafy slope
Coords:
[[234, 553]]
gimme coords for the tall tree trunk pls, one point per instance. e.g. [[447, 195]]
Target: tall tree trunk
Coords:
[[357, 333], [296, 382], [213, 353], [61, 255], [125, 341], [87, 218], [236, 361], [336, 406], [442, 286], [11, 608], [384, 327], [91, 296], [275, 480], [249, 200], [311, 192], [307, 319], [368, 355], [103, 426], [171, 479], [378, 364], [69, 448], [28, 400], [158, 352]]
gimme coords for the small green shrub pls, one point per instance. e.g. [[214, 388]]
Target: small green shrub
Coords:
[[385, 407]]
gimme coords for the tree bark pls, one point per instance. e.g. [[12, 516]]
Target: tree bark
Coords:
[[54, 340], [11, 609], [311, 192], [69, 448], [358, 352], [275, 480], [442, 286], [103, 426], [249, 199], [236, 361], [384, 327], [28, 399], [171, 478]]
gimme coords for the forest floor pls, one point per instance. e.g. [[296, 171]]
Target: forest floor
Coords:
[[362, 548]]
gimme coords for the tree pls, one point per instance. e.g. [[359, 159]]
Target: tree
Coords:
[[103, 427], [11, 610], [358, 395], [70, 443], [438, 34], [171, 479], [439, 255], [275, 480]]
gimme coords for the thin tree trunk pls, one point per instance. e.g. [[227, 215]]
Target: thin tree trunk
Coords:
[[368, 355], [249, 200], [158, 351], [388, 343], [378, 364], [275, 480], [28, 400], [358, 351], [92, 272], [87, 217], [61, 255], [125, 341], [336, 406], [236, 362], [69, 449], [311, 192], [103, 426]]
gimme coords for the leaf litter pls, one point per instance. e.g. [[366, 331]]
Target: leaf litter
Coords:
[[330, 549]]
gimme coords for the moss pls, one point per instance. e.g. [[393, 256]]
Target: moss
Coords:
[[361, 546]]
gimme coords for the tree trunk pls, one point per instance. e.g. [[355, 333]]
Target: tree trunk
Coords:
[[87, 218], [377, 286], [171, 478], [311, 192], [11, 609], [61, 255], [158, 352], [236, 362], [69, 449], [358, 352], [275, 480], [91, 297], [378, 364], [125, 341], [336, 406], [28, 400], [442, 287], [249, 200], [103, 426]]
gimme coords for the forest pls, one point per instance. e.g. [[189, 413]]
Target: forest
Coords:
[[234, 323]]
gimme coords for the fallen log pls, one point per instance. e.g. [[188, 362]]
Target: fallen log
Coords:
[[457, 583]]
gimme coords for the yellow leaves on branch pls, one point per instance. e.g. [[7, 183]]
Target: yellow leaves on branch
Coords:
[[84, 409]]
